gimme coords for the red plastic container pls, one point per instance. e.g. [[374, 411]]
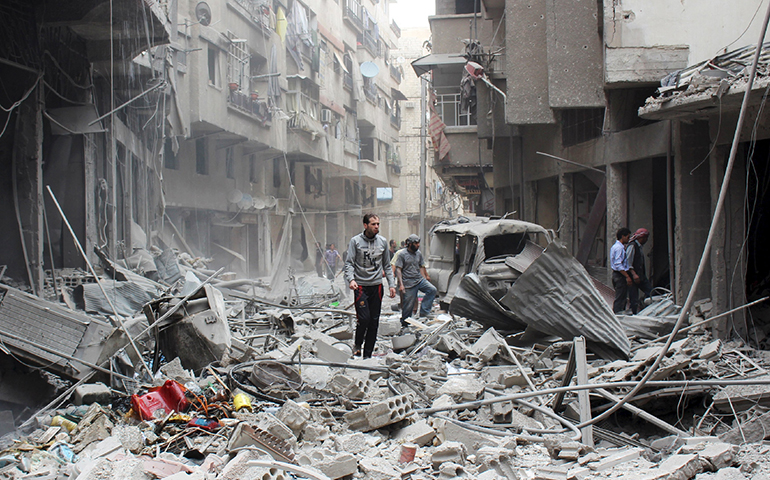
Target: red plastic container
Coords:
[[160, 401]]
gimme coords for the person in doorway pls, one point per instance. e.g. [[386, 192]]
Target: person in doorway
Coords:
[[368, 257], [635, 256], [413, 278], [330, 260], [621, 279]]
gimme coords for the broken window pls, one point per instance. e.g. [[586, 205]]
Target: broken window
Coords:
[[466, 6], [504, 245], [213, 59]]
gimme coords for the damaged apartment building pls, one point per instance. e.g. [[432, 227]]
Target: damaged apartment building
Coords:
[[543, 107], [202, 126]]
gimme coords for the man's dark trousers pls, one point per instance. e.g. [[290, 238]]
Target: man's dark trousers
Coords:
[[368, 304]]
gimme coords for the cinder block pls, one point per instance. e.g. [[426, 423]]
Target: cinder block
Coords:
[[454, 452], [463, 388], [419, 433], [294, 416], [91, 393], [333, 464], [379, 414]]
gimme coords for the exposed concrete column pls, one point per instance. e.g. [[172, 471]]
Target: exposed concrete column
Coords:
[[566, 211], [692, 200], [530, 201], [617, 204], [264, 243], [91, 218], [727, 258], [28, 174]]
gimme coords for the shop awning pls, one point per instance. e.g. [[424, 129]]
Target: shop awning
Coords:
[[436, 60]]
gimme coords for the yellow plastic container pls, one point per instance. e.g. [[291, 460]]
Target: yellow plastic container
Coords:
[[59, 421], [241, 401]]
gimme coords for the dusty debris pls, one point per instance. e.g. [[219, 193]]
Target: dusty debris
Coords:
[[245, 388]]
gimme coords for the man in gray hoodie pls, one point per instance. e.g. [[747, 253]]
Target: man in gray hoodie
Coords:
[[368, 258]]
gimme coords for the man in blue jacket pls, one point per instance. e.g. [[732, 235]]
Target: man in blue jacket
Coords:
[[368, 258]]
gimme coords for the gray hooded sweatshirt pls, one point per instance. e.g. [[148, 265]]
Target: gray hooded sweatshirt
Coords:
[[367, 258]]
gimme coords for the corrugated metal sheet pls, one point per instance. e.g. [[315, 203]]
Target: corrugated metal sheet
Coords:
[[128, 297], [555, 295], [39, 323], [523, 260], [472, 301]]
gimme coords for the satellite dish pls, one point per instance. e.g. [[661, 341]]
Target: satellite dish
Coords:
[[369, 69], [235, 196], [400, 60], [270, 201], [246, 201], [203, 13], [259, 203]]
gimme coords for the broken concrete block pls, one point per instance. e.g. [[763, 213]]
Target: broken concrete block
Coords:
[[452, 344], [711, 350], [379, 414], [443, 401], [497, 459], [505, 375], [677, 467], [175, 371], [718, 455], [389, 326], [315, 433], [130, 437], [355, 442], [333, 464], [463, 388], [501, 412], [729, 473], [328, 352], [454, 452], [94, 427], [622, 456], [551, 472], [403, 341], [472, 440], [348, 386], [245, 435], [487, 345], [378, 468], [294, 416], [563, 447], [238, 468], [451, 470], [419, 433], [491, 475], [91, 393], [755, 430]]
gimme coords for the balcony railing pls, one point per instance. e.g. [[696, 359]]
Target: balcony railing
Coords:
[[395, 119], [371, 42], [396, 29], [370, 91], [259, 11], [395, 72], [251, 105], [347, 81], [353, 14]]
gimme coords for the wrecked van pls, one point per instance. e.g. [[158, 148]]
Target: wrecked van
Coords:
[[484, 247], [516, 277]]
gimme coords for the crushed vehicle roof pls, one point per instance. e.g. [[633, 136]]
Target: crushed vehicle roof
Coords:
[[483, 227]]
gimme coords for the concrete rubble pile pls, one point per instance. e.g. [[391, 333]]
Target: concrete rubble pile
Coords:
[[215, 383]]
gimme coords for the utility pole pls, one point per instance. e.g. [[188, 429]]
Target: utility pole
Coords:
[[423, 157]]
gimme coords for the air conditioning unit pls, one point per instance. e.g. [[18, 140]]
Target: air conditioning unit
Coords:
[[326, 115]]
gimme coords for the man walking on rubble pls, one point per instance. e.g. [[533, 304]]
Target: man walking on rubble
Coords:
[[368, 257], [635, 255], [412, 279], [330, 261], [621, 279]]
